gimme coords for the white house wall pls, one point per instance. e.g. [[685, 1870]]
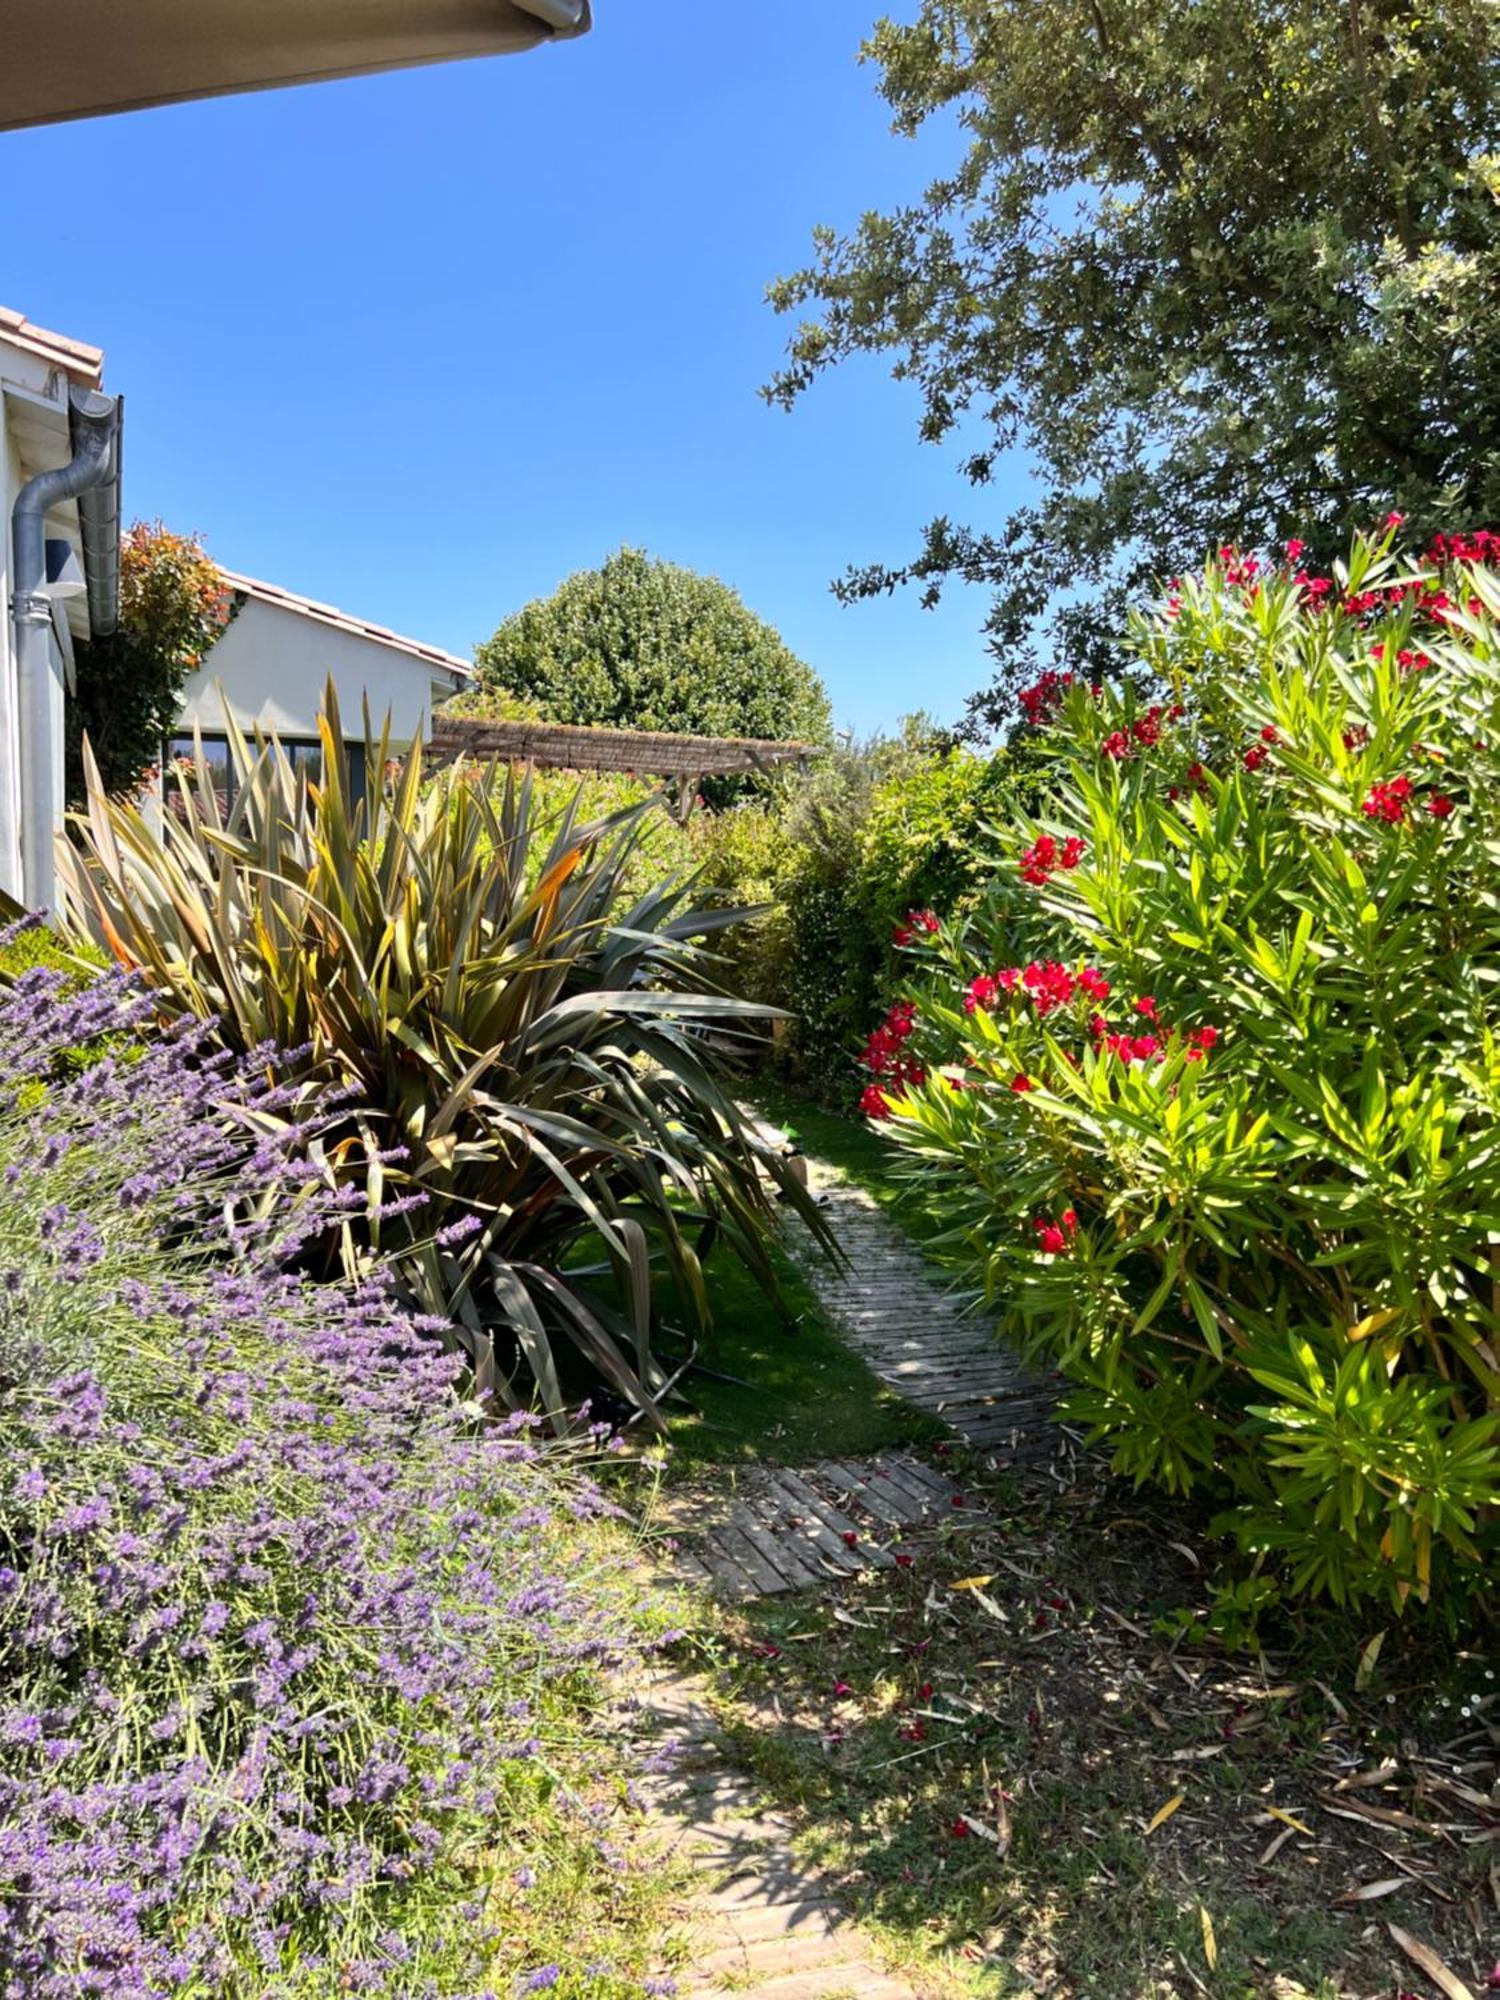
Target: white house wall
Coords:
[[271, 666]]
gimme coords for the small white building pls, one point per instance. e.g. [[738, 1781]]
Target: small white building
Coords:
[[274, 660], [60, 453]]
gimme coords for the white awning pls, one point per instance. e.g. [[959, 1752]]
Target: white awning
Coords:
[[80, 58]]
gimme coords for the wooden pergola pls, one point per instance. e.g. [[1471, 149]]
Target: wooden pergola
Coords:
[[682, 762]]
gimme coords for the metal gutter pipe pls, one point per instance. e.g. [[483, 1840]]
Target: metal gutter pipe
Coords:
[[35, 812], [99, 532]]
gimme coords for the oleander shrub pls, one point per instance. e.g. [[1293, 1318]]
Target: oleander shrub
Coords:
[[174, 606], [1212, 1081], [547, 1068], [300, 1666]]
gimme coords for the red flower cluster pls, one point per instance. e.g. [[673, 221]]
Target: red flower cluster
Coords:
[[885, 1056], [1048, 984], [1408, 661], [1240, 572], [1045, 855], [1041, 702], [1387, 802], [1144, 733], [1440, 805], [919, 923], [1480, 545], [1200, 1041], [1055, 1239]]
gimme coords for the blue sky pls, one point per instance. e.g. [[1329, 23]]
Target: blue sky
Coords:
[[420, 345]]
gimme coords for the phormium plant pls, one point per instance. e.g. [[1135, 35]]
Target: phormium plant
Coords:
[[547, 1066]]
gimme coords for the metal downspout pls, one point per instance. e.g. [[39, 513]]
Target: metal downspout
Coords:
[[99, 532], [34, 811]]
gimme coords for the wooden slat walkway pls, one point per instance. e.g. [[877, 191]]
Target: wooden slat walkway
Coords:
[[917, 1337], [770, 1529], [763, 1926]]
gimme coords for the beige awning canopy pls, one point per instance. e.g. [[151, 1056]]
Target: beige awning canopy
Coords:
[[80, 58]]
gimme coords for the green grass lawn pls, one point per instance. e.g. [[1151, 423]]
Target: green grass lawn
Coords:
[[797, 1393], [852, 1145]]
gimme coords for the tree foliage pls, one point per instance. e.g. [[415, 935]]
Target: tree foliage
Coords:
[[644, 644], [1213, 267], [173, 606]]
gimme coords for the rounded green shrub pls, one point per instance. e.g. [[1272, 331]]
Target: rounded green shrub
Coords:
[[643, 644]]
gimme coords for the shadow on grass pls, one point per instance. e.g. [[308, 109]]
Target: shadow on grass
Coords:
[[1006, 1772]]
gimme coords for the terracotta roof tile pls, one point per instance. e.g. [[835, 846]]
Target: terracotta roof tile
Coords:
[[83, 364]]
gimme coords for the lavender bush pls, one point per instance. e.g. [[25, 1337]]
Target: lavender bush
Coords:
[[292, 1651]]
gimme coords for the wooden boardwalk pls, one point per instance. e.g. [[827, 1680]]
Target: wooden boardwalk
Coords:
[[763, 1926], [917, 1337], [769, 1529]]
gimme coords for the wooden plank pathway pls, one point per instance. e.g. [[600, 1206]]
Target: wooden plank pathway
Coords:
[[763, 1926], [917, 1337], [769, 1529]]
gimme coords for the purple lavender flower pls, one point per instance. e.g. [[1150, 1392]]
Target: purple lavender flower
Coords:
[[268, 1595]]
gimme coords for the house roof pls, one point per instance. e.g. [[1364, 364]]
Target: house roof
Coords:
[[343, 621], [79, 362], [83, 58]]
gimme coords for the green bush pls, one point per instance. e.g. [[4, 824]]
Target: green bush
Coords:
[[645, 644], [1226, 1150], [173, 606], [550, 1067], [839, 859]]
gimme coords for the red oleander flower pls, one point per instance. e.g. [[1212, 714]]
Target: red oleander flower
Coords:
[[1294, 550], [1051, 1237], [1115, 745], [872, 1102], [850, 1538], [919, 923], [1146, 1005], [1387, 802], [1440, 805], [1073, 851], [1269, 735], [960, 1829], [1042, 700], [1048, 984], [1021, 1084], [1255, 756], [842, 1688], [1093, 984], [924, 1692], [982, 992]]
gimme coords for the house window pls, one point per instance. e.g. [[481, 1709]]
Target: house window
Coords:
[[303, 753]]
